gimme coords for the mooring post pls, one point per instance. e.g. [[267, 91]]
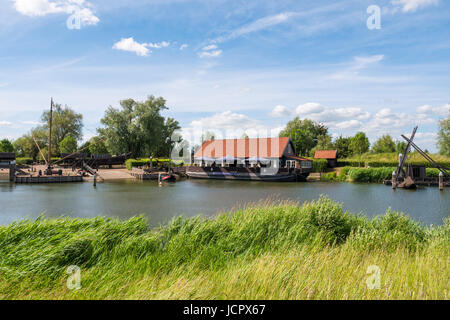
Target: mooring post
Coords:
[[95, 179], [12, 171], [441, 181], [394, 180]]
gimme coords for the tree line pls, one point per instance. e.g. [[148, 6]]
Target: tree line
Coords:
[[139, 128], [136, 127]]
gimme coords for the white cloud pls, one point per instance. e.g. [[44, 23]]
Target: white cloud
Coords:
[[363, 62], [128, 44], [413, 5], [429, 110], [158, 45], [210, 47], [317, 112], [80, 8], [258, 25], [5, 123], [210, 51], [388, 121], [34, 123], [280, 112], [210, 54], [228, 124], [350, 124], [309, 108], [183, 46]]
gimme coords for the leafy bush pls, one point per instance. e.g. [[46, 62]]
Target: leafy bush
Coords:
[[343, 173], [320, 165], [432, 172], [157, 162], [370, 174], [350, 163], [24, 160], [330, 176]]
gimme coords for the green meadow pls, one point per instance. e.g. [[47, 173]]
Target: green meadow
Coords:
[[267, 250]]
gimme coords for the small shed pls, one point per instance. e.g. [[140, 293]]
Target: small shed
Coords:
[[329, 155]]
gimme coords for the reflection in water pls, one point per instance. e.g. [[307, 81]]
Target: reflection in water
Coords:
[[128, 198]]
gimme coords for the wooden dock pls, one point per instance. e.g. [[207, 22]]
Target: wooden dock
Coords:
[[47, 179], [426, 182], [140, 174]]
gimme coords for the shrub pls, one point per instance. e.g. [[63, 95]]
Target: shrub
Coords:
[[330, 176], [320, 165], [157, 162], [350, 163], [370, 174], [24, 160]]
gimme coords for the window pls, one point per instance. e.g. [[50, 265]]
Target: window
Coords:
[[290, 163]]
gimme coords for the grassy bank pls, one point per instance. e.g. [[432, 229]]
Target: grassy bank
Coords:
[[266, 251], [373, 175], [391, 160]]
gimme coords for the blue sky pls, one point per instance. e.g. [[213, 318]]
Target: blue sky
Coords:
[[230, 65]]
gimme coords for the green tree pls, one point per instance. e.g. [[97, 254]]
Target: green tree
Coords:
[[138, 127], [385, 144], [208, 135], [400, 146], [6, 146], [97, 145], [169, 136], [304, 133], [66, 122], [84, 148], [359, 144], [324, 142], [244, 136], [342, 145], [68, 145], [444, 137], [25, 145]]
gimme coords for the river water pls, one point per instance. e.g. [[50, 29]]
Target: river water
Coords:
[[127, 198]]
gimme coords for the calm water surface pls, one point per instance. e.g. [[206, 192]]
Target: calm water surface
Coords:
[[127, 198]]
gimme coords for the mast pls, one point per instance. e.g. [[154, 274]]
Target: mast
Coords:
[[50, 136]]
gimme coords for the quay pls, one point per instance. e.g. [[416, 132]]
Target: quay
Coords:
[[48, 179]]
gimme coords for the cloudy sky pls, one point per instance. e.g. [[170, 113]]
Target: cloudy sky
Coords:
[[230, 65]]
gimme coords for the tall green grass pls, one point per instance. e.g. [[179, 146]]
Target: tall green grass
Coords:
[[268, 250], [391, 160]]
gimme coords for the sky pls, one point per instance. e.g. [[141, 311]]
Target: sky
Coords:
[[231, 66]]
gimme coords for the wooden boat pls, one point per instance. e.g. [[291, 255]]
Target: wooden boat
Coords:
[[169, 178]]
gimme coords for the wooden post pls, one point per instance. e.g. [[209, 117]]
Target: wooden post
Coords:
[[394, 180], [12, 172], [441, 181], [95, 179], [50, 134]]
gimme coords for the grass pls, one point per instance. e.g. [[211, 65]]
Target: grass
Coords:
[[266, 251], [391, 159]]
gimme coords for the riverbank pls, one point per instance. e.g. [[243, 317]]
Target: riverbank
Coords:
[[266, 251]]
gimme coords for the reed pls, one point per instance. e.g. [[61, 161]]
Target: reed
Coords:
[[269, 250]]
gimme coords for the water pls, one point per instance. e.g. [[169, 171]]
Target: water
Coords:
[[127, 198]]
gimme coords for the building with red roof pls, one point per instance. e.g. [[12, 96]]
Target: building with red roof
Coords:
[[330, 155]]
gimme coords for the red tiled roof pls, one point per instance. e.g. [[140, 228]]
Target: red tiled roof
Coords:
[[325, 154], [243, 148], [298, 158]]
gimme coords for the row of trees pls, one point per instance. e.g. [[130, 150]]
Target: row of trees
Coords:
[[309, 136], [136, 127]]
